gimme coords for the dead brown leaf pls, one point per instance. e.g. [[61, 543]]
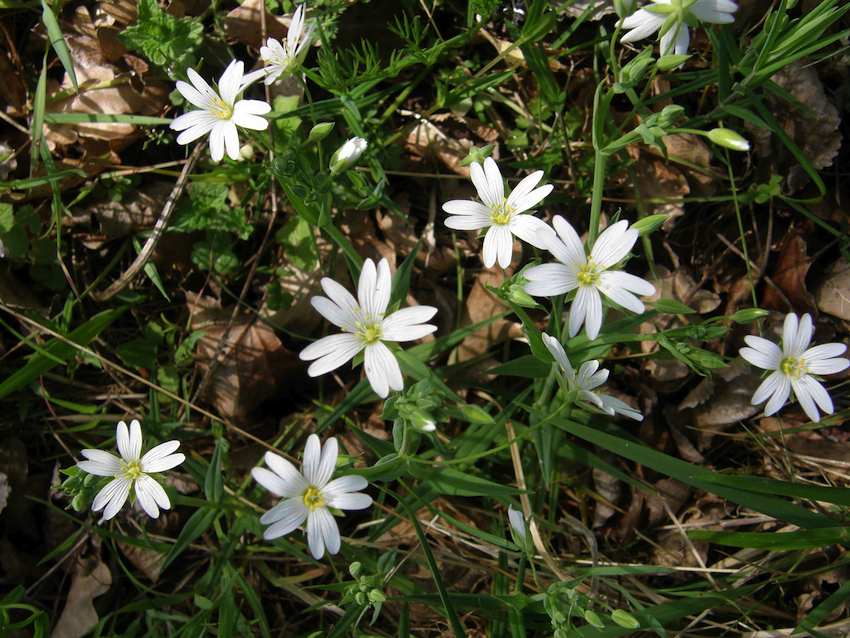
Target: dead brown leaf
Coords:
[[833, 294], [426, 139], [104, 88], [253, 362], [243, 23], [790, 275], [91, 579], [481, 305]]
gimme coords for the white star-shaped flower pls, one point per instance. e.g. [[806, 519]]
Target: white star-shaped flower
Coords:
[[792, 367], [308, 494], [132, 470], [590, 274], [281, 58], [503, 217], [672, 18], [587, 380], [366, 326], [219, 112]]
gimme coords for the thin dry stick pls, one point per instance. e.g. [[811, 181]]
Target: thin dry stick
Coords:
[[147, 250], [526, 506]]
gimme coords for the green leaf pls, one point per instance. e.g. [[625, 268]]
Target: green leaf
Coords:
[[784, 541], [7, 217], [57, 351], [527, 366], [446, 480], [673, 307], [214, 480], [57, 41], [207, 208], [164, 39], [123, 118]]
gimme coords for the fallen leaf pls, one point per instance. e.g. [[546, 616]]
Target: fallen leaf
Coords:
[[253, 362], [481, 305], [243, 23], [671, 491], [91, 579], [427, 140], [610, 489], [149, 562], [790, 275], [833, 294]]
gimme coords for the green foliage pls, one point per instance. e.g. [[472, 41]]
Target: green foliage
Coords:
[[164, 39], [207, 208]]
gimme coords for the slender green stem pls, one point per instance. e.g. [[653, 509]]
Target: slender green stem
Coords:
[[599, 161]]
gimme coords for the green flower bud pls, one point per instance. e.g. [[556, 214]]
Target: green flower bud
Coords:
[[477, 155], [593, 619], [347, 155], [376, 596], [319, 132], [748, 315], [625, 619], [355, 568], [728, 139]]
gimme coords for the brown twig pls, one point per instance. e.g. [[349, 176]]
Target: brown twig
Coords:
[[147, 250]]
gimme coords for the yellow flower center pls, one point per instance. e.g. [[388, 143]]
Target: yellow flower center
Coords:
[[369, 332], [221, 109], [793, 367], [500, 214], [313, 498], [132, 470], [588, 274]]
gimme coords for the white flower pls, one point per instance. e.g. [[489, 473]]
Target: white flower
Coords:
[[347, 154], [131, 470], [517, 522], [589, 274], [792, 367], [585, 382], [308, 494], [672, 17], [281, 58], [219, 112], [503, 217], [366, 328]]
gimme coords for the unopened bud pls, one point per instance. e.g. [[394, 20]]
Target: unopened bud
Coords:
[[347, 155], [320, 131], [728, 139]]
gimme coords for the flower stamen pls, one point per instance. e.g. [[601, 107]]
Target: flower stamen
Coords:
[[313, 498], [132, 470], [588, 274], [793, 367], [500, 214]]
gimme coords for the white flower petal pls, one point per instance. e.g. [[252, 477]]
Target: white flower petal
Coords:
[[340, 296], [557, 351], [327, 464], [382, 369], [824, 351], [294, 482], [383, 289], [328, 530], [330, 353], [525, 186], [160, 451], [759, 359], [714, 11], [315, 540], [479, 180], [467, 222], [284, 517], [231, 140], [827, 366], [548, 280], [767, 348], [789, 334], [269, 480], [217, 141], [570, 250], [312, 457], [616, 285], [117, 491], [532, 199], [490, 251], [804, 397], [504, 245], [767, 387], [593, 311], [676, 40], [340, 317], [516, 521], [100, 463], [494, 180], [817, 392], [344, 485], [122, 441], [193, 95], [191, 120], [163, 463], [145, 495], [805, 331], [231, 81], [466, 207], [780, 396], [531, 230], [408, 324], [620, 407], [613, 244], [641, 24], [349, 500]]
